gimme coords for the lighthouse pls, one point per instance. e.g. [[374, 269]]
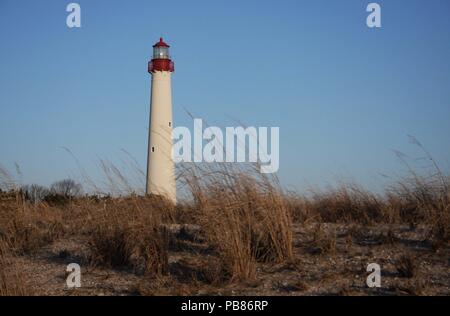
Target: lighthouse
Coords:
[[160, 165]]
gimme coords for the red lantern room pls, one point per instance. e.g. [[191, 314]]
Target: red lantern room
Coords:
[[161, 59]]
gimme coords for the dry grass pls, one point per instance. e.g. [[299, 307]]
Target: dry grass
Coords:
[[423, 201], [246, 222], [244, 215], [30, 227], [322, 241], [11, 280], [348, 203], [131, 237]]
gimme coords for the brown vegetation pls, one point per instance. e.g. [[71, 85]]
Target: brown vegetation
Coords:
[[235, 231]]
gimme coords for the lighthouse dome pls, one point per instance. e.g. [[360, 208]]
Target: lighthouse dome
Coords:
[[161, 43], [161, 50], [161, 59]]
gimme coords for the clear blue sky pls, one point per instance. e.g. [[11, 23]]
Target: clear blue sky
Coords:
[[342, 94]]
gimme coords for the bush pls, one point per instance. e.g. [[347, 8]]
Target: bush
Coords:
[[28, 230], [11, 280], [35, 193], [244, 215], [67, 188], [129, 233]]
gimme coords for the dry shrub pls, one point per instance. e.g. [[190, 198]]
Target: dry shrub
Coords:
[[84, 215], [344, 204], [424, 200], [244, 215], [129, 234], [323, 241], [413, 200], [11, 281], [439, 221], [30, 228], [440, 228], [419, 197], [348, 203], [428, 194], [300, 208], [130, 246]]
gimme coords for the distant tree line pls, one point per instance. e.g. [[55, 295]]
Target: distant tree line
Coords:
[[58, 191]]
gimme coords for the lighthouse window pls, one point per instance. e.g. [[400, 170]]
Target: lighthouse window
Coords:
[[170, 124], [153, 149], [161, 53]]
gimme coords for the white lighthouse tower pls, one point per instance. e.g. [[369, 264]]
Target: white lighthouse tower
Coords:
[[160, 166]]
